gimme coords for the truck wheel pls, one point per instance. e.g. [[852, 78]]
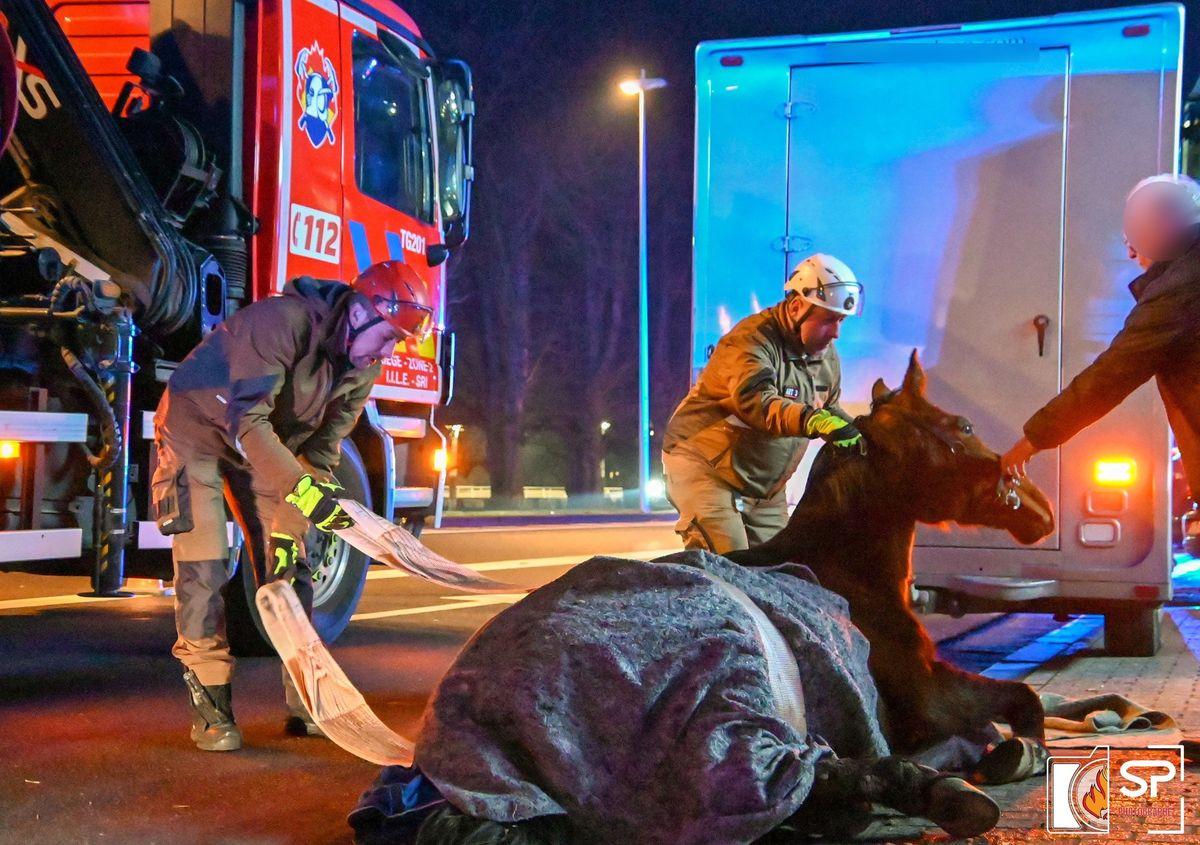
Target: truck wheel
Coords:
[[1132, 631], [343, 572]]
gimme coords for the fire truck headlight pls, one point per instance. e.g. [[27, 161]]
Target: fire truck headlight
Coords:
[[1115, 472]]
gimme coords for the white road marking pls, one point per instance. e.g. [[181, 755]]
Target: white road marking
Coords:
[[452, 603], [579, 526], [528, 562], [50, 601], [374, 574]]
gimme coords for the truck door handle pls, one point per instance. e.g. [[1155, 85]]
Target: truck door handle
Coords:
[[1041, 322]]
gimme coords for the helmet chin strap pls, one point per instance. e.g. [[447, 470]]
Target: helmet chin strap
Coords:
[[804, 315], [355, 332]]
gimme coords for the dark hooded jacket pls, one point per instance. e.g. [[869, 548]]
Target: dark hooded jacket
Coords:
[[1160, 339], [273, 381]]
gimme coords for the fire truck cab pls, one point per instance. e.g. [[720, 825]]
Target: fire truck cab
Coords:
[[190, 159]]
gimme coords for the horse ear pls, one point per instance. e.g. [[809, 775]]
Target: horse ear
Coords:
[[914, 379], [879, 391]]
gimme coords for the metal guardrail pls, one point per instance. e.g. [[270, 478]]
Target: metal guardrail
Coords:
[[477, 495]]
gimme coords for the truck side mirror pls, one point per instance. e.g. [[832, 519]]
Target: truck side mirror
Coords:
[[455, 103]]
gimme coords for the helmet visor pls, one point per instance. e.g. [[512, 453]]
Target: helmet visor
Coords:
[[409, 319], [845, 298]]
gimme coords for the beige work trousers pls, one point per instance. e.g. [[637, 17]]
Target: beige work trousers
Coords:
[[714, 516], [202, 486]]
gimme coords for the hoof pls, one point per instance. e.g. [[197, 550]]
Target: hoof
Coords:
[[960, 809], [1012, 760]]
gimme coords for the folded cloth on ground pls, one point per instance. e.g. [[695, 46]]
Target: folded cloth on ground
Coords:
[[637, 698], [1107, 719]]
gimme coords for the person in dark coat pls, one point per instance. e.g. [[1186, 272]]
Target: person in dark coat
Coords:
[[255, 416], [1160, 338]]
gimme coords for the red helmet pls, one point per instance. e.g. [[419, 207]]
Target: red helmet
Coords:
[[399, 296]]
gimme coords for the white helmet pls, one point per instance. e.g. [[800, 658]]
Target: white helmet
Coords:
[[826, 282]]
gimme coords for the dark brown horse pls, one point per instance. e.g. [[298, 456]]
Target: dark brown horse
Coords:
[[855, 527]]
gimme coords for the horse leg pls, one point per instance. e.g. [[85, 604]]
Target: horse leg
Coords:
[[844, 789], [901, 661], [973, 701], [976, 700]]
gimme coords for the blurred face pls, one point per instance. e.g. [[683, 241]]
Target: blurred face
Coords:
[[379, 341], [1157, 220], [820, 328], [1142, 261]]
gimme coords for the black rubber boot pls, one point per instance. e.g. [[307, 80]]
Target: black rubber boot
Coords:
[[299, 722], [213, 728], [844, 790]]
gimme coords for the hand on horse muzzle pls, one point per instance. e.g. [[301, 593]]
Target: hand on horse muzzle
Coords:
[[1013, 505]]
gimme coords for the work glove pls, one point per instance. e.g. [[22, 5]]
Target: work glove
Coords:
[[833, 429], [284, 552], [318, 501], [285, 542]]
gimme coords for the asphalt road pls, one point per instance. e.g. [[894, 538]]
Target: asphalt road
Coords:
[[93, 714]]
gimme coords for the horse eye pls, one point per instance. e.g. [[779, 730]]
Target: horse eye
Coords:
[[964, 425]]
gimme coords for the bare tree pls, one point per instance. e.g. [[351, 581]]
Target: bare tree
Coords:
[[595, 221], [495, 277]]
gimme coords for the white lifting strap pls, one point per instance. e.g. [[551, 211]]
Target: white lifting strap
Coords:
[[783, 674], [332, 700], [382, 540]]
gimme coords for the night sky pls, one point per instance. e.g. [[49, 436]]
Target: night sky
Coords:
[[551, 122]]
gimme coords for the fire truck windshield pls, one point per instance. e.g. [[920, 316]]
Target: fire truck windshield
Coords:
[[393, 160]]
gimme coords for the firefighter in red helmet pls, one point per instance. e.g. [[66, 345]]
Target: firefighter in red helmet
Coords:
[[255, 415]]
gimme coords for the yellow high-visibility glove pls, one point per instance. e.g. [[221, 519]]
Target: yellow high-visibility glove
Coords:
[[284, 553], [318, 501], [833, 429]]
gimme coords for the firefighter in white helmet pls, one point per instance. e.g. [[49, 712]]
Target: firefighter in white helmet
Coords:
[[771, 385]]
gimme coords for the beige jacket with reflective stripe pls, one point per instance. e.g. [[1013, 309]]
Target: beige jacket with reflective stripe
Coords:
[[745, 415]]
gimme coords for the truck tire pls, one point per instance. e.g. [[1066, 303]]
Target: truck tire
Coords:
[[335, 595], [1132, 631]]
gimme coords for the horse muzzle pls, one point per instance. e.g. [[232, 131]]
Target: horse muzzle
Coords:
[[1030, 517]]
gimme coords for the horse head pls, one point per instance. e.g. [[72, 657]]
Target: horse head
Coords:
[[943, 471]]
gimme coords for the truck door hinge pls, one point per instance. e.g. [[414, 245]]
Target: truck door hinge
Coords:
[[794, 108], [792, 243]]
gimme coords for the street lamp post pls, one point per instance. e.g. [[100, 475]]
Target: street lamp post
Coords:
[[605, 425], [640, 86]]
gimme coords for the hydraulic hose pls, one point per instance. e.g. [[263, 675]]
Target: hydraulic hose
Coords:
[[110, 432]]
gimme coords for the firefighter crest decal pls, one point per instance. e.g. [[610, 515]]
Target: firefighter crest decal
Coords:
[[317, 91]]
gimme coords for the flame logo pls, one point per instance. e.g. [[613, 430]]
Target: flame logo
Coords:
[[1095, 802], [1089, 788]]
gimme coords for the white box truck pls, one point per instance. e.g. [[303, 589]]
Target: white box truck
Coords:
[[973, 176]]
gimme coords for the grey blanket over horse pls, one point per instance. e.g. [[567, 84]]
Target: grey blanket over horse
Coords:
[[635, 696]]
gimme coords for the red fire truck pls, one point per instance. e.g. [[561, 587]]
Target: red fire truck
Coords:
[[170, 163]]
